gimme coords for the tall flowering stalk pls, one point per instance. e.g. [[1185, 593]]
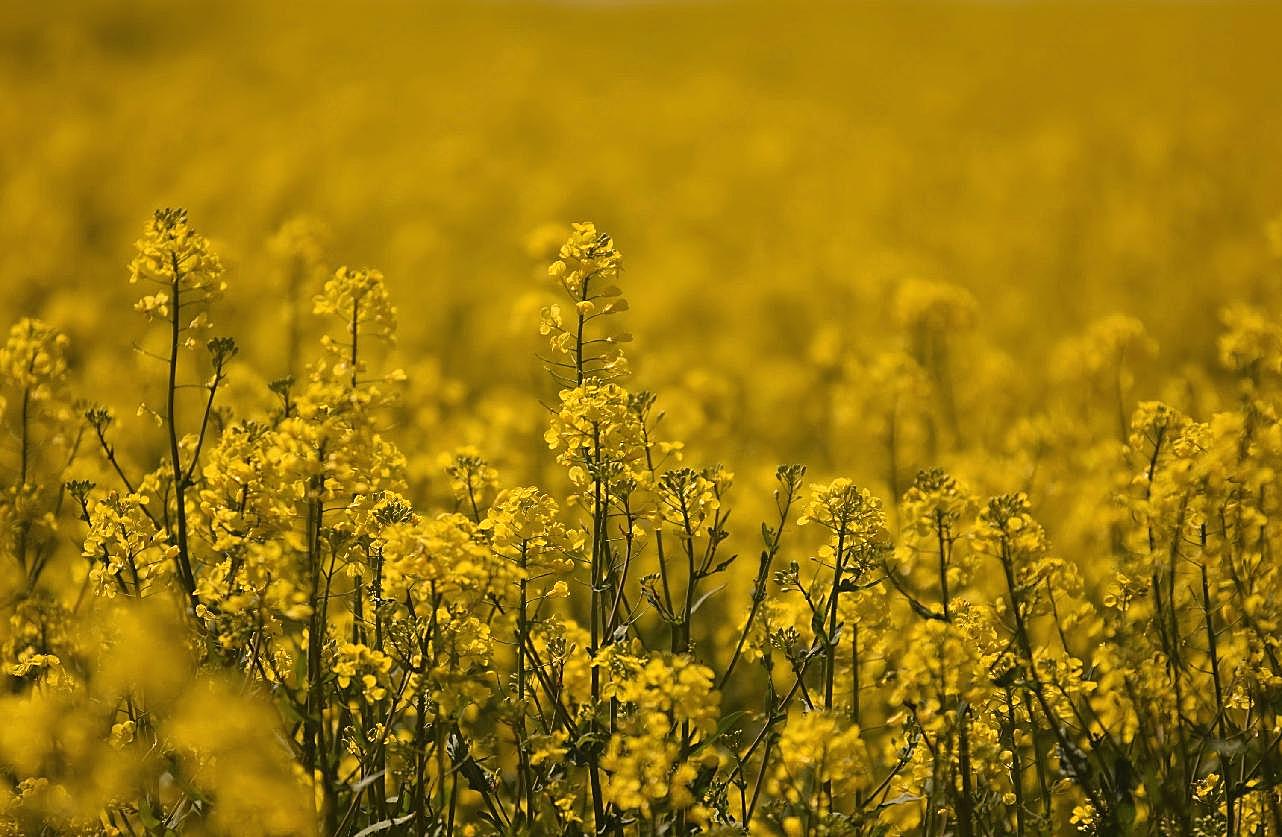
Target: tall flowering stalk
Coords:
[[177, 262]]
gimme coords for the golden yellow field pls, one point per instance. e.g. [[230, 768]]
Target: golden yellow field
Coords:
[[422, 474]]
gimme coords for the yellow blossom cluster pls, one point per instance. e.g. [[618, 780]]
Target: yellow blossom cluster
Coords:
[[289, 547]]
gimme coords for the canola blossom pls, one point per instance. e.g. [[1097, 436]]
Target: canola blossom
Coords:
[[291, 545]]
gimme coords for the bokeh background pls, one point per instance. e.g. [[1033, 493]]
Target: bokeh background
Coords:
[[799, 191]]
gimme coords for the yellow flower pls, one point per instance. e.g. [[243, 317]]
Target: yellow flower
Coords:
[[174, 256]]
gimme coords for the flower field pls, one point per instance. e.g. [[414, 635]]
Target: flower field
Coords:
[[640, 418]]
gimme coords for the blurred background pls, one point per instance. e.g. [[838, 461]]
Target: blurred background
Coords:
[[808, 197]]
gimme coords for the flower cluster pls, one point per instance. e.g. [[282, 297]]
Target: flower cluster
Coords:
[[179, 261], [278, 622]]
